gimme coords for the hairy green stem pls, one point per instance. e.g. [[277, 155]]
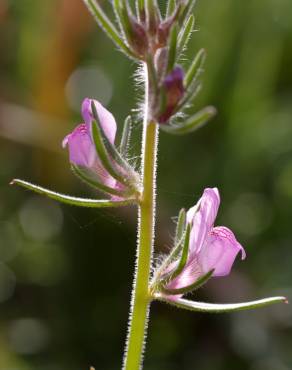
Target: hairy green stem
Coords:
[[140, 297]]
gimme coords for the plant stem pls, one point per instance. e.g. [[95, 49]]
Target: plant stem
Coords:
[[140, 296]]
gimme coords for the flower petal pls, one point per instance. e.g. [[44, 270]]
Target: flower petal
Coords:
[[219, 251], [202, 216], [107, 120], [81, 149]]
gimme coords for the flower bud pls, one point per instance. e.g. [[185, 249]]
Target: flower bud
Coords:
[[152, 16], [138, 38], [164, 28], [174, 90]]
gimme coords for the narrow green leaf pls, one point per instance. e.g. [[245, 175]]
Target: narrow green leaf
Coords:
[[74, 201], [192, 124], [126, 136], [122, 11], [118, 9], [172, 48], [81, 173], [220, 308], [181, 225], [195, 68], [108, 27], [189, 288], [185, 34], [171, 5], [187, 10]]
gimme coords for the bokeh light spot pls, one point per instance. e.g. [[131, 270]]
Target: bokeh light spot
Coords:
[[44, 266], [88, 82], [41, 219], [28, 336]]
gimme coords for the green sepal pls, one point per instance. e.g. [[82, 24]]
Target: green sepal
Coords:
[[108, 27], [174, 254], [109, 147], [107, 153], [180, 248], [189, 288], [172, 48], [185, 34], [184, 248], [160, 278], [184, 253], [82, 174], [171, 5], [73, 201], [153, 15], [126, 136], [219, 308], [191, 124], [141, 12], [195, 68], [104, 155], [180, 226]]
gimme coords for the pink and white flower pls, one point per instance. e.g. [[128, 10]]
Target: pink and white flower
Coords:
[[210, 248], [82, 151]]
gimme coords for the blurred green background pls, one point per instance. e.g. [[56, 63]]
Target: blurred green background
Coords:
[[66, 273]]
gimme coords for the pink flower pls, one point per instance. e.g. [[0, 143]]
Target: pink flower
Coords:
[[82, 151], [210, 248]]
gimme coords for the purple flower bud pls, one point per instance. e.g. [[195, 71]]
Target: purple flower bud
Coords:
[[175, 79], [138, 37], [174, 91], [210, 248], [81, 147], [165, 27]]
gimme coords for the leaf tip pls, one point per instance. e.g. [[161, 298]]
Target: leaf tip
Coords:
[[203, 52], [212, 110], [12, 182]]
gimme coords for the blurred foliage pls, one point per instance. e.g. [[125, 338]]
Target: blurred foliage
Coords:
[[66, 273]]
